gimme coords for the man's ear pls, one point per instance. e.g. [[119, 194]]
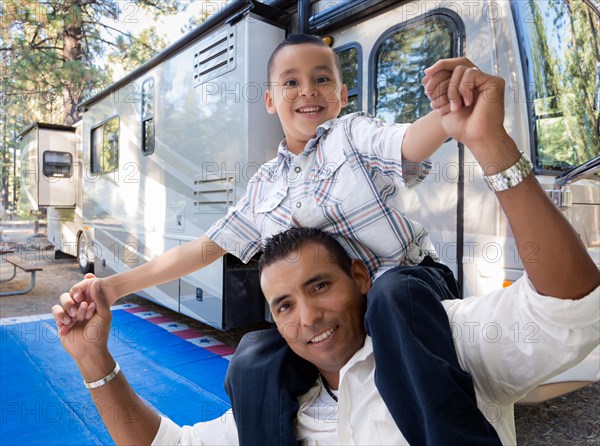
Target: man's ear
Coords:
[[344, 95], [361, 276], [269, 102]]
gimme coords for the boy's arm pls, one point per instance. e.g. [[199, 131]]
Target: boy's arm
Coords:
[[427, 134], [423, 138], [171, 265]]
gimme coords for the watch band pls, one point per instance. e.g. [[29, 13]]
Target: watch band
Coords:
[[108, 378], [510, 177]]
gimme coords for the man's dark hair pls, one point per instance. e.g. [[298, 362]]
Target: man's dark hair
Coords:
[[299, 39], [284, 244]]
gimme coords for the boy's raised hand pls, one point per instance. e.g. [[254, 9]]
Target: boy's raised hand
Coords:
[[81, 303], [470, 101]]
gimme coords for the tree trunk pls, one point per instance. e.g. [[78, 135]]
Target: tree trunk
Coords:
[[5, 164], [72, 55]]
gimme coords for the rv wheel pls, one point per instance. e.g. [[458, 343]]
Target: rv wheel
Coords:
[[84, 255]]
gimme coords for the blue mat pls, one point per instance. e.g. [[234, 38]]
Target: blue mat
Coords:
[[43, 400]]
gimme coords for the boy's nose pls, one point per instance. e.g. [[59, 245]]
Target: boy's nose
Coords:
[[308, 90]]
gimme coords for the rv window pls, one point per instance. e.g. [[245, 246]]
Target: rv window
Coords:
[[560, 41], [400, 60], [148, 116], [105, 146], [57, 164], [350, 60]]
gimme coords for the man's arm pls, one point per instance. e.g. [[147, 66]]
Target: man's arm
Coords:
[[171, 265], [562, 266], [127, 418]]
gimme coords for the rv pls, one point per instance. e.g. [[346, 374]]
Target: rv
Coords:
[[161, 154]]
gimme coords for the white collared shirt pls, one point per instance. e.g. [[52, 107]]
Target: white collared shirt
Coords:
[[510, 341]]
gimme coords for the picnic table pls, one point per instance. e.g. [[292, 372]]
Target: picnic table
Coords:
[[16, 262]]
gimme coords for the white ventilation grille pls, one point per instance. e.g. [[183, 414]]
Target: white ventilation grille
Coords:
[[214, 57], [214, 194]]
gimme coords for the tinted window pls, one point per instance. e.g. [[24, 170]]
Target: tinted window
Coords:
[[349, 59], [400, 61], [57, 164], [148, 116], [105, 146], [561, 47]]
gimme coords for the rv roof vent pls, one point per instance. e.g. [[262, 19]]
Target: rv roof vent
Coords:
[[214, 57]]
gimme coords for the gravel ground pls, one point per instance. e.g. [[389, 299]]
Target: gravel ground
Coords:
[[572, 419]]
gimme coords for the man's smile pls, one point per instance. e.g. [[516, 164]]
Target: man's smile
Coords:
[[321, 337]]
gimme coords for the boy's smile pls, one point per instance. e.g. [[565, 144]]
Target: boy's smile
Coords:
[[306, 91]]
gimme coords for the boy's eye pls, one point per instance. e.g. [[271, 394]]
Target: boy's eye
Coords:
[[323, 80], [290, 83]]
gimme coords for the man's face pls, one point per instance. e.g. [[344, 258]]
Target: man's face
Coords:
[[319, 309], [306, 90]]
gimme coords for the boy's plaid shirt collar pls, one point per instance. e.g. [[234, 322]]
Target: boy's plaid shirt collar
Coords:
[[283, 153]]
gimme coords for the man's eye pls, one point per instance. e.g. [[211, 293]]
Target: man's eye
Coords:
[[320, 286], [290, 83], [283, 307]]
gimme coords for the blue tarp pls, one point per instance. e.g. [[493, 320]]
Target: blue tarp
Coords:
[[43, 400]]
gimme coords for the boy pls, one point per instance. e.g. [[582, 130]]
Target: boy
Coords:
[[334, 174]]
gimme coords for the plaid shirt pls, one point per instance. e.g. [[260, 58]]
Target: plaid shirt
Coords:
[[342, 183]]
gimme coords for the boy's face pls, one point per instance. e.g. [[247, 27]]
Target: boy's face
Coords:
[[306, 90], [318, 307]]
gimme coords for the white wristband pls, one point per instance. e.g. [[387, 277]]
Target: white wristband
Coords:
[[108, 378]]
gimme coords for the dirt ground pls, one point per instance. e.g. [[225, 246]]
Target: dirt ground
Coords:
[[573, 419]]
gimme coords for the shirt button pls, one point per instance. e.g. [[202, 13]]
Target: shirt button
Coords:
[[298, 205], [297, 169]]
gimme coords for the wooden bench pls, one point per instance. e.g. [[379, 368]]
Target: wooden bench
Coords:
[[28, 268]]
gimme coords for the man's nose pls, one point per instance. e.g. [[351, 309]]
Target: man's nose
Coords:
[[310, 314]]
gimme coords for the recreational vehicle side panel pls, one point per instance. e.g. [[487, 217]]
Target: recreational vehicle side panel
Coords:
[[47, 166], [171, 151], [56, 167], [29, 162]]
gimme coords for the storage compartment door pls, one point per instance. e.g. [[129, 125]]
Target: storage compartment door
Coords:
[[58, 171]]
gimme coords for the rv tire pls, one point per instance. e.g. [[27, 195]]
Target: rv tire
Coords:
[[83, 255]]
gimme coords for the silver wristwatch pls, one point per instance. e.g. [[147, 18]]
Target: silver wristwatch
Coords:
[[510, 177]]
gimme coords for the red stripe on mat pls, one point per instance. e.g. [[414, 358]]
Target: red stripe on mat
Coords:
[[188, 333], [221, 350], [136, 309]]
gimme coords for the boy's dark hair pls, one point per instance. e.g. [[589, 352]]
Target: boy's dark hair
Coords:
[[298, 39], [284, 244]]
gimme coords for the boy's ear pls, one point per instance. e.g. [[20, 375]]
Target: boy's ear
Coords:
[[344, 95], [269, 102]]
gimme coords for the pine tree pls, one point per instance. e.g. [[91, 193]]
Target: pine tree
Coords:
[[55, 53]]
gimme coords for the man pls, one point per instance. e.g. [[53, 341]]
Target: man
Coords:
[[328, 331]]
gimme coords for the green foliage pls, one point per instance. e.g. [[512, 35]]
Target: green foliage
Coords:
[[401, 60], [564, 81], [55, 53]]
